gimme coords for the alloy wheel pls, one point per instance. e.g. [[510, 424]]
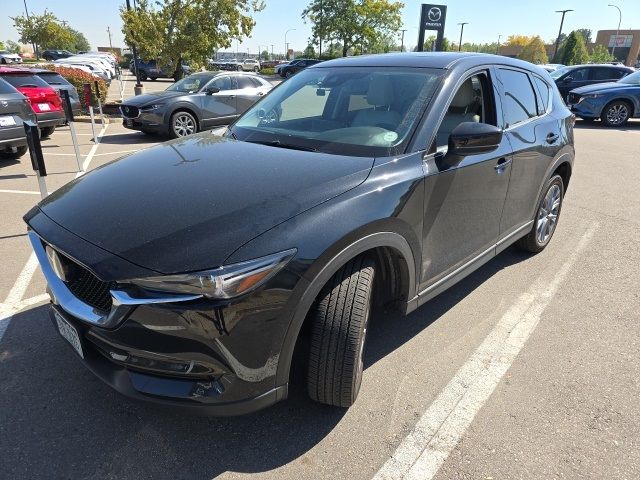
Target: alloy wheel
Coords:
[[548, 215], [184, 125], [617, 114]]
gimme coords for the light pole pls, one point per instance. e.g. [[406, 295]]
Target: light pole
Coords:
[[498, 46], [286, 51], [402, 40], [618, 30], [138, 86], [461, 30], [555, 52], [272, 53]]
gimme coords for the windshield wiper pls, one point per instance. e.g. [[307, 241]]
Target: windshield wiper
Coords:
[[278, 143]]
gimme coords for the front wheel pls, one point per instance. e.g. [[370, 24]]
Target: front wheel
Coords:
[[615, 114], [46, 132], [182, 124], [339, 320], [288, 73], [547, 217], [239, 68], [143, 75]]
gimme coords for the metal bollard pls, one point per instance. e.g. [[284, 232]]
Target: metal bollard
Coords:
[[68, 112], [87, 98], [35, 152], [97, 91]]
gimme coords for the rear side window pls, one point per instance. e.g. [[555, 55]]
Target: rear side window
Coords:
[[616, 73], [53, 79], [6, 87], [19, 80], [244, 82], [604, 73], [544, 94], [520, 99]]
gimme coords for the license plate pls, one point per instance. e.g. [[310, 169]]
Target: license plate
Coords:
[[7, 121], [44, 107], [128, 122], [69, 333]]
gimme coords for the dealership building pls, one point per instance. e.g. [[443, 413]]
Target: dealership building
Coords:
[[626, 42]]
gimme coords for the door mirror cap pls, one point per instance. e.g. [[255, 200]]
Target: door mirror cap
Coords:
[[212, 90], [568, 79], [472, 138]]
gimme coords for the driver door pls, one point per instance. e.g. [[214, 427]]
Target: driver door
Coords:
[[218, 108], [464, 200]]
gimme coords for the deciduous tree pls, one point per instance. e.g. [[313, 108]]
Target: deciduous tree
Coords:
[[45, 31], [519, 40], [534, 51], [600, 54], [574, 50]]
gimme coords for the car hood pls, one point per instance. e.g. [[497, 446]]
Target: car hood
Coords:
[[602, 87], [188, 204], [140, 100]]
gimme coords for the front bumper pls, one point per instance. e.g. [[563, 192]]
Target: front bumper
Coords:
[[148, 122], [587, 108]]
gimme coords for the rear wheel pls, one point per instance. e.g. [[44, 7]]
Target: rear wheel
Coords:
[[143, 75], [183, 124], [8, 154], [339, 320], [46, 132], [256, 69], [616, 113], [547, 217], [288, 73], [153, 79], [239, 68]]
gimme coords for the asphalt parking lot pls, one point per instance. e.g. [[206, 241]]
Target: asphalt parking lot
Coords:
[[529, 368]]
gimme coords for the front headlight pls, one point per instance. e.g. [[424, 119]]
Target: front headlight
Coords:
[[222, 283], [155, 106], [590, 96]]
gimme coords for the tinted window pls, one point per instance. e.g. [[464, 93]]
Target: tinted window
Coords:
[[25, 80], [223, 83], [6, 87], [579, 74], [53, 79], [604, 73], [616, 73], [520, 99], [544, 93], [244, 82]]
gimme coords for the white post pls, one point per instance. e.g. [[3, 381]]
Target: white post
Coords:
[[93, 123], [43, 185], [74, 140]]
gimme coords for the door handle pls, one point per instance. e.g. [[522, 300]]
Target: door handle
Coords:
[[232, 96], [552, 137], [502, 164], [260, 94]]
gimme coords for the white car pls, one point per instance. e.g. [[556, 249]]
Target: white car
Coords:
[[7, 57], [95, 68], [249, 65], [104, 63]]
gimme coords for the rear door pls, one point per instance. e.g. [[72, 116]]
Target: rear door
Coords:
[[535, 137], [219, 108], [248, 91], [606, 74]]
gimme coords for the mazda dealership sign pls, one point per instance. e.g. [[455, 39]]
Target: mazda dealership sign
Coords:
[[432, 17]]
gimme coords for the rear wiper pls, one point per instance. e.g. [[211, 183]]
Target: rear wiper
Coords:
[[278, 143]]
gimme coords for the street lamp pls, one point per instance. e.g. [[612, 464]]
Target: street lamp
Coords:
[[461, 30], [555, 52], [498, 46], [286, 51], [402, 40], [618, 30]]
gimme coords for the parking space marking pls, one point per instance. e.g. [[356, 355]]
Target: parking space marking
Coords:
[[117, 153], [421, 454], [8, 308], [27, 192], [92, 152]]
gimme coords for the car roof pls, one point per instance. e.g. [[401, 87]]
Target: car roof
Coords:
[[608, 65], [15, 70]]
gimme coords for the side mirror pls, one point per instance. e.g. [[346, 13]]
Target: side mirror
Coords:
[[212, 90], [568, 79], [472, 138]]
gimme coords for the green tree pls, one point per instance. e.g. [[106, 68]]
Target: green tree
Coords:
[[534, 51], [586, 34], [172, 30], [600, 54], [80, 42], [429, 44], [519, 40], [264, 54], [13, 47], [574, 50], [353, 23], [309, 52], [45, 31]]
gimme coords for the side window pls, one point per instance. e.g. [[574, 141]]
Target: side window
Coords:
[[472, 102], [603, 73], [223, 83], [544, 94], [520, 100], [616, 74], [579, 74], [244, 82]]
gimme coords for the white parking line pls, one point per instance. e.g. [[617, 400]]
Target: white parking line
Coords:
[[27, 192], [421, 454]]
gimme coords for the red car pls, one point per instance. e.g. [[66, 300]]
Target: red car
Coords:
[[44, 100]]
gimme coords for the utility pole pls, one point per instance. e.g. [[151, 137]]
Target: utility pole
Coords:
[[272, 58], [109, 32], [618, 30], [138, 86], [555, 52], [286, 45], [402, 40], [498, 46], [461, 30], [320, 39]]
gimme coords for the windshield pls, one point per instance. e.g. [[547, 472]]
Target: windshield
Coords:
[[27, 81], [190, 84], [633, 79], [559, 72], [53, 79], [361, 111]]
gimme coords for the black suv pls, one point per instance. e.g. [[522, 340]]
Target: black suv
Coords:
[[56, 54], [576, 76], [363, 181], [297, 65], [151, 69]]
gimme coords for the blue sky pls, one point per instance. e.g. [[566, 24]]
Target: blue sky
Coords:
[[487, 19]]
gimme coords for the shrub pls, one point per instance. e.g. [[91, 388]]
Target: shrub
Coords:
[[78, 78], [268, 71]]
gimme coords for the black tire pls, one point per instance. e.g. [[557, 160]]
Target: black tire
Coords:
[[256, 69], [616, 113], [143, 75], [46, 132], [174, 132], [9, 155], [339, 319], [3, 61], [153, 79], [588, 119], [288, 73], [533, 242], [239, 68]]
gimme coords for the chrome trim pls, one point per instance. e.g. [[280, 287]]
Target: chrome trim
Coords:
[[472, 261], [123, 301]]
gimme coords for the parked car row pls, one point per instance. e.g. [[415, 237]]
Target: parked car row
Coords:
[[247, 65], [30, 94], [100, 64], [151, 69], [295, 66], [198, 102]]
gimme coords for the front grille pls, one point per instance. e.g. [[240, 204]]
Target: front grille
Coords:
[[573, 98], [85, 285], [129, 111]]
